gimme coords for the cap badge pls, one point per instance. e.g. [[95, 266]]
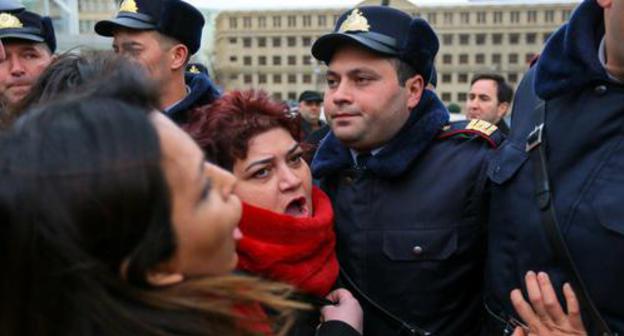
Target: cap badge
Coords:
[[129, 6], [9, 21], [194, 70], [355, 22]]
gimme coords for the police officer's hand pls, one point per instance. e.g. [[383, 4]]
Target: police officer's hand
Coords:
[[544, 315], [347, 309]]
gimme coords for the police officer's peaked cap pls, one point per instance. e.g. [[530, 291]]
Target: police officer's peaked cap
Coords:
[[27, 26], [383, 30], [173, 18], [10, 6]]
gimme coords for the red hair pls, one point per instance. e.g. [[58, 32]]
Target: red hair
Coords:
[[223, 129]]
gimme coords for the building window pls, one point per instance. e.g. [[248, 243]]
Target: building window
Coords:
[[307, 79], [480, 39], [277, 41], [233, 59], [277, 78], [247, 79], [246, 22], [549, 16], [532, 16], [306, 60], [463, 58], [461, 97], [531, 38], [292, 21], [446, 96], [277, 21], [262, 60], [462, 78], [307, 20], [262, 79], [546, 36], [292, 95], [277, 96], [291, 41], [498, 17], [514, 17], [447, 59], [514, 38], [512, 77], [247, 60], [497, 38], [233, 23], [447, 78], [565, 15], [292, 78], [247, 42], [464, 39], [448, 18], [322, 21], [496, 59], [513, 58], [306, 41], [528, 58], [262, 22], [261, 42], [233, 77], [292, 60], [481, 17], [464, 17], [277, 60], [447, 39], [480, 58], [232, 40], [432, 18]]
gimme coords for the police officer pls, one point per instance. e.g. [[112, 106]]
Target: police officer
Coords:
[[558, 181], [408, 188], [162, 35], [29, 44]]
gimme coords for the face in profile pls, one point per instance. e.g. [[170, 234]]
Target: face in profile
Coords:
[[145, 48], [274, 175], [205, 211], [23, 63]]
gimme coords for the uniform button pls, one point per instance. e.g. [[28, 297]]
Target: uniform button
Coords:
[[600, 90], [348, 180], [417, 250], [497, 169]]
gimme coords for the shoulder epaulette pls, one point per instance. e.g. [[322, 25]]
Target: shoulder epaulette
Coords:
[[473, 129]]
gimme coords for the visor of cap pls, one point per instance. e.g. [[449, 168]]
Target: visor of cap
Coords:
[[106, 27], [324, 48], [21, 36]]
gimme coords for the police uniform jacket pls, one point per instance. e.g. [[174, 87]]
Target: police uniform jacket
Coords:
[[201, 92], [585, 148], [410, 229]]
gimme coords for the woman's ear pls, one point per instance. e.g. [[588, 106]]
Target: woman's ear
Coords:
[[415, 87], [163, 279]]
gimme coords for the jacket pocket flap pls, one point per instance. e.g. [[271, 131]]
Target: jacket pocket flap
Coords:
[[434, 244], [608, 205], [506, 162]]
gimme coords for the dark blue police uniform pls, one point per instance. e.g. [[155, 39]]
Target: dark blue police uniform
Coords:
[[410, 221], [583, 135]]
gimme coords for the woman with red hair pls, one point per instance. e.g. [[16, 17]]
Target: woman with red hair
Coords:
[[287, 222]]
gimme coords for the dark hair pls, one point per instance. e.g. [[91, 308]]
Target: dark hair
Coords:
[[82, 193], [88, 73], [504, 92], [224, 129], [403, 70]]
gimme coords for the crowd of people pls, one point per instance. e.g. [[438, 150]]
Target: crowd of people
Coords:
[[136, 198]]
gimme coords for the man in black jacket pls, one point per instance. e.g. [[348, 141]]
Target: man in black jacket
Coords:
[[408, 188]]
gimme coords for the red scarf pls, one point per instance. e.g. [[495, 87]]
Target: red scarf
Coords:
[[296, 250]]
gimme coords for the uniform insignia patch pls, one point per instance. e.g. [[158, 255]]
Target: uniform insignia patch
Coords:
[[9, 21], [129, 6], [194, 70], [481, 126], [355, 22]]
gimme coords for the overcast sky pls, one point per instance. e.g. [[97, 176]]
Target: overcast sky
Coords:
[[277, 4]]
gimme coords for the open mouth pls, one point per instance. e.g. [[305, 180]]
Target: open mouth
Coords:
[[297, 208]]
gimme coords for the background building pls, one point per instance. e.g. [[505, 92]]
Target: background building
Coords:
[[271, 49]]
